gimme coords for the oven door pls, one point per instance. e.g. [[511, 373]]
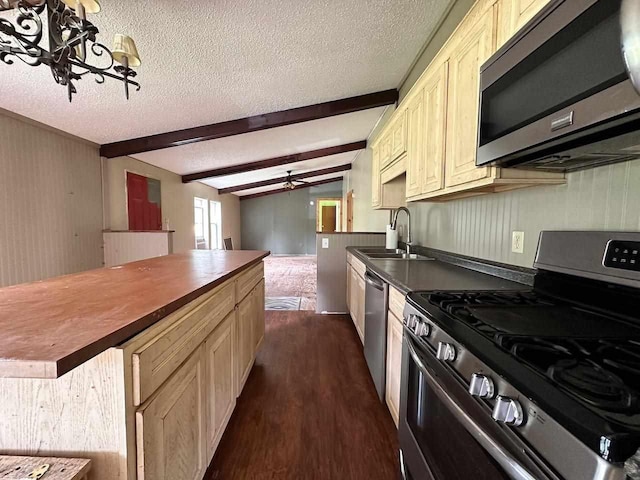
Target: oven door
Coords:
[[445, 434]]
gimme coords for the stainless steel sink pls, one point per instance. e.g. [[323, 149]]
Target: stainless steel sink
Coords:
[[381, 254]]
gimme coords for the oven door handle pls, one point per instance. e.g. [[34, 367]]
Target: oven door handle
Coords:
[[499, 454]]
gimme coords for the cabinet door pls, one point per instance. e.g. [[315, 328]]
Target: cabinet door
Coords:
[[348, 288], [514, 14], [258, 316], [375, 176], [354, 296], [398, 137], [394, 365], [462, 113], [244, 330], [415, 150], [361, 308], [219, 351], [434, 129], [170, 426]]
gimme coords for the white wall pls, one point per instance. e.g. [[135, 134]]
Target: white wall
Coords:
[[50, 203], [177, 201]]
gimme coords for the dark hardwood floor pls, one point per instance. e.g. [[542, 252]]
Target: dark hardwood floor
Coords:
[[309, 409]]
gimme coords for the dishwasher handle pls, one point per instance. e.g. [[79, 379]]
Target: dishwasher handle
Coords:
[[375, 282]]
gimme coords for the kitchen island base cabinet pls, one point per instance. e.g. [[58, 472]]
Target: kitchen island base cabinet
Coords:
[[220, 351], [170, 427], [154, 407]]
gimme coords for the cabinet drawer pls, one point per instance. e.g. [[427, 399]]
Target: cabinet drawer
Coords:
[[396, 302], [156, 360], [247, 280], [358, 266]]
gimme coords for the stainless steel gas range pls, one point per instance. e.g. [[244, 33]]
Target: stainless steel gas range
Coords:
[[543, 383]]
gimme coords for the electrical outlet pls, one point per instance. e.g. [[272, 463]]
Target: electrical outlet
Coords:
[[517, 242], [325, 243]]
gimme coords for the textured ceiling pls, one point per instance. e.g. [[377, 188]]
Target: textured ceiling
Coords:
[[206, 61]]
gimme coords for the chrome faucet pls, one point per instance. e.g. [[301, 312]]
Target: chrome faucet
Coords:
[[394, 224]]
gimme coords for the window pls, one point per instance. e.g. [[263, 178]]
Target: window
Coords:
[[201, 222], [215, 214]]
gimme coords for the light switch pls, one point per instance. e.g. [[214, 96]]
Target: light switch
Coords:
[[517, 242], [325, 243]]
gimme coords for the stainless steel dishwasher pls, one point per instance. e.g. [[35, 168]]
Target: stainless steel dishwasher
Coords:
[[376, 300]]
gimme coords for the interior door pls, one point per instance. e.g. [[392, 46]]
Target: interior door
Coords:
[[328, 219]]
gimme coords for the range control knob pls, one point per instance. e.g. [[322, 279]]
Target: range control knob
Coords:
[[423, 329], [446, 352], [508, 411], [412, 320], [481, 386]]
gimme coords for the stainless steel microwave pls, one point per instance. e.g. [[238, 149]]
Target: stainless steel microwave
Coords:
[[560, 95]]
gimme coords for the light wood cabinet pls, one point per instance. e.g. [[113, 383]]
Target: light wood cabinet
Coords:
[[170, 427], [415, 149], [360, 289], [469, 54], [258, 317], [434, 128], [244, 330], [441, 114], [375, 177], [355, 295], [219, 351], [398, 137], [514, 14], [157, 404], [394, 365], [348, 297]]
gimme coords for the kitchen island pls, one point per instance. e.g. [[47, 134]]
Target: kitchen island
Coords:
[[136, 367]]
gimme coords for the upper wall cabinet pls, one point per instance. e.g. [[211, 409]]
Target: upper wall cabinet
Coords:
[[475, 45], [514, 14], [389, 164], [398, 137], [441, 116]]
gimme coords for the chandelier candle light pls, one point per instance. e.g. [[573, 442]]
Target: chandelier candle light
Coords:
[[70, 33]]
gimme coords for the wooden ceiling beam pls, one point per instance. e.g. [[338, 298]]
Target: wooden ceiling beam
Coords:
[[274, 162], [275, 181], [285, 190], [249, 124]]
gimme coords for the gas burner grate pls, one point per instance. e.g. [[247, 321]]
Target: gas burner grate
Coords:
[[594, 385]]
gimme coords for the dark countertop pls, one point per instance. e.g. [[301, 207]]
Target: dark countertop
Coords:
[[50, 327], [416, 275]]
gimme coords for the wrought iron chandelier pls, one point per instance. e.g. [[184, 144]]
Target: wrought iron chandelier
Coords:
[[71, 39]]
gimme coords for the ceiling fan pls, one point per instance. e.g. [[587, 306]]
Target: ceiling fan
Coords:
[[290, 182]]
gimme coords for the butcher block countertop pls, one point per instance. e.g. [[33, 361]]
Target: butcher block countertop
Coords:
[[48, 328]]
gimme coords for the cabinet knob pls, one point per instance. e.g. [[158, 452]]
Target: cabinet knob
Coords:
[[508, 411]]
